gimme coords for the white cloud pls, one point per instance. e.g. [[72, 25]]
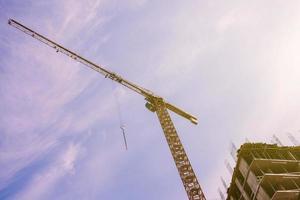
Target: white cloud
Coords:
[[42, 182]]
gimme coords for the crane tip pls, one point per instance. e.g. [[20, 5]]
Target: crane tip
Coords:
[[10, 21]]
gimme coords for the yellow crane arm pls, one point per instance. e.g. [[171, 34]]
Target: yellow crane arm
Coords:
[[108, 74]]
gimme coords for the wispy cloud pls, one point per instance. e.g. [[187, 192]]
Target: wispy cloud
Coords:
[[42, 182], [34, 93]]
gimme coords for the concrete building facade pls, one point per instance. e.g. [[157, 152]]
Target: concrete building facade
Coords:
[[266, 172]]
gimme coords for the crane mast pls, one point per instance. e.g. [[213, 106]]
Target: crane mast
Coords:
[[154, 103]]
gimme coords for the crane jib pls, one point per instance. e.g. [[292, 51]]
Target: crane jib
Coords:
[[108, 74]]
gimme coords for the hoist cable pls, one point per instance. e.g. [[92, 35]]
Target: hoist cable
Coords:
[[118, 108]]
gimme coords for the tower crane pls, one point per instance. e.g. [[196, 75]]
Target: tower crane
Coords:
[[154, 103]]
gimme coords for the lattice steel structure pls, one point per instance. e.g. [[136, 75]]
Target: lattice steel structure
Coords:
[[182, 162]]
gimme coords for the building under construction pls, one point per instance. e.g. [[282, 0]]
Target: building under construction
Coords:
[[266, 171]]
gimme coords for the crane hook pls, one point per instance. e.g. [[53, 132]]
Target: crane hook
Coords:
[[122, 127]]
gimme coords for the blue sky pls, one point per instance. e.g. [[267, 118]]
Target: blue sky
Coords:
[[233, 64]]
